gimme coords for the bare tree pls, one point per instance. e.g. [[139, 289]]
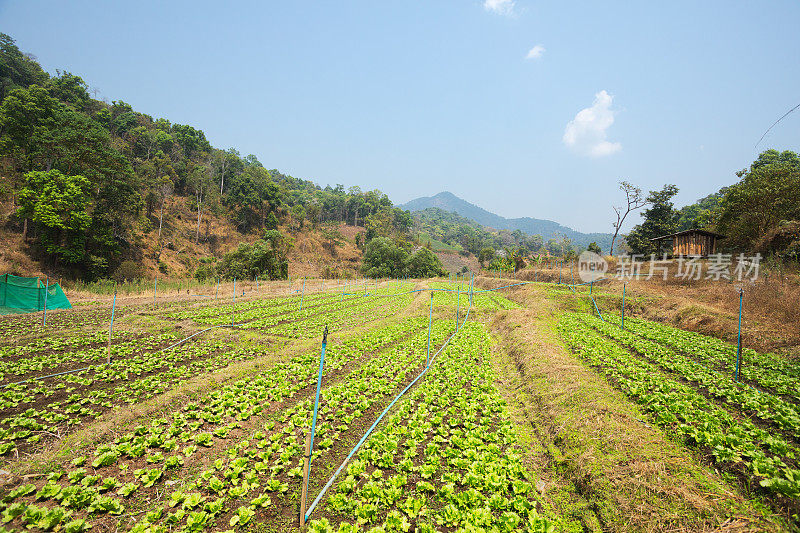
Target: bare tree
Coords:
[[164, 189], [199, 182], [633, 200], [223, 164]]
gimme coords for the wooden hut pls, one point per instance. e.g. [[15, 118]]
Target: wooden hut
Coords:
[[692, 242]]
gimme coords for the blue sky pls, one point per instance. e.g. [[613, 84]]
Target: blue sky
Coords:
[[418, 97]]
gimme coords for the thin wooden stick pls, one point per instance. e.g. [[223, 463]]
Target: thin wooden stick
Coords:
[[306, 465]]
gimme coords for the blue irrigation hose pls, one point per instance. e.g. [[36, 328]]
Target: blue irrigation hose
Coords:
[[52, 375], [316, 401], [377, 421]]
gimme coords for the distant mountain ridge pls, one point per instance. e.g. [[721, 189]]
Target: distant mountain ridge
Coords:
[[548, 229]]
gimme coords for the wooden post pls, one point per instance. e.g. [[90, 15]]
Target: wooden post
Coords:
[[44, 318], [111, 326], [310, 438], [430, 322], [306, 467], [739, 336]]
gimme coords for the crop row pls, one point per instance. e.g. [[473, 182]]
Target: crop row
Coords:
[[124, 350], [762, 405], [52, 409], [732, 440], [491, 301], [447, 458], [17, 326], [779, 374], [348, 313], [292, 312], [148, 457], [58, 343], [217, 312]]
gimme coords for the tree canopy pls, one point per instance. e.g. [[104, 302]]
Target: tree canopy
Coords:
[[132, 162], [660, 218], [384, 258]]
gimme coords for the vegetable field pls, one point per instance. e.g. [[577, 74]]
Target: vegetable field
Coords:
[[232, 457], [749, 429], [200, 420]]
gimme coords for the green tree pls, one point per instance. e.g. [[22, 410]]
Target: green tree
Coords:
[[423, 264], [660, 218], [593, 247], [702, 214], [298, 216], [252, 196], [383, 259], [486, 255], [59, 207], [16, 69], [69, 89], [766, 197], [191, 140], [265, 258]]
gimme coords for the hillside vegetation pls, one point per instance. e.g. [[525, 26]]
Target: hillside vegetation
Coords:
[[88, 186]]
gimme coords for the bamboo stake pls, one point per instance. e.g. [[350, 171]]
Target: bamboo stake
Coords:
[[306, 468]]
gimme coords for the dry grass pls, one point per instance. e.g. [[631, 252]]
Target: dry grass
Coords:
[[628, 476], [771, 316], [453, 262]]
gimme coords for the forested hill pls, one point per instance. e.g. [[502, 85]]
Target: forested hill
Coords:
[[90, 185], [547, 229]]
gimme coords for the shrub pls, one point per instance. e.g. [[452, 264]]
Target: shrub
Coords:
[[131, 270], [265, 258], [204, 272], [386, 259]]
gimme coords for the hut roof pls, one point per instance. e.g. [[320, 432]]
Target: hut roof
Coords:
[[689, 232]]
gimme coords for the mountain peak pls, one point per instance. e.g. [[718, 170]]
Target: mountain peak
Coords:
[[548, 229]]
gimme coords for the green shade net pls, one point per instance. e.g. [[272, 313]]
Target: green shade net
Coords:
[[27, 295]]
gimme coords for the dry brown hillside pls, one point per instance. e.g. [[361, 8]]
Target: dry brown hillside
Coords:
[[182, 251]]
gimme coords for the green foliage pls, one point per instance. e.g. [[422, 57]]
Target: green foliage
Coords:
[[384, 258], [593, 247], [132, 160], [486, 255], [702, 214], [59, 205], [766, 198], [451, 228], [205, 271], [190, 139], [660, 219], [387, 221], [265, 258], [17, 70], [563, 248], [254, 197], [129, 270], [424, 264]]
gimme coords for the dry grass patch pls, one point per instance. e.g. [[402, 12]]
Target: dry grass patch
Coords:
[[627, 475]]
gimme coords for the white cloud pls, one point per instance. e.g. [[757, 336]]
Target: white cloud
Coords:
[[586, 133], [536, 52], [501, 7]]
